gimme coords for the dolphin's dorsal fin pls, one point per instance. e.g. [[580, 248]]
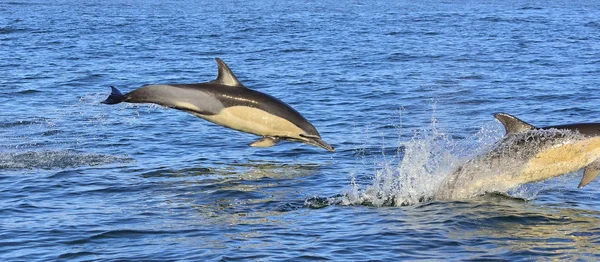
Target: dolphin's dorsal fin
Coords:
[[512, 124], [226, 77], [589, 173]]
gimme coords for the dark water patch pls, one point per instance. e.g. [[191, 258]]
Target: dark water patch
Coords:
[[296, 50], [573, 111], [49, 132], [196, 171], [25, 3], [471, 77], [311, 258], [116, 234], [430, 33], [287, 207], [394, 33], [525, 8], [28, 92], [56, 159], [593, 24], [493, 19], [11, 29], [303, 82], [64, 174], [401, 57], [521, 219], [448, 83], [406, 57], [95, 189], [515, 20]]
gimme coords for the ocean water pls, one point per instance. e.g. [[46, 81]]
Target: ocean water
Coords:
[[405, 92]]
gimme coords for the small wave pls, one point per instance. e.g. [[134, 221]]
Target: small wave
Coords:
[[77, 255], [34, 121], [56, 159]]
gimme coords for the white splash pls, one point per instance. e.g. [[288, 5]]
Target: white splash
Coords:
[[414, 175]]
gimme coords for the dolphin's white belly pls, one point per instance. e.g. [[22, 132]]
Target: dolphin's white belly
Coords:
[[254, 121], [562, 159]]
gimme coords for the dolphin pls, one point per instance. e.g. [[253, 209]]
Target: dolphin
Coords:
[[527, 154], [227, 102]]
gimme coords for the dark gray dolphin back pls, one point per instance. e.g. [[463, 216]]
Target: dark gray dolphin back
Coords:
[[513, 125], [586, 129]]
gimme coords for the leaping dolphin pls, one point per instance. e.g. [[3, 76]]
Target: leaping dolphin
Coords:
[[527, 154], [227, 102]]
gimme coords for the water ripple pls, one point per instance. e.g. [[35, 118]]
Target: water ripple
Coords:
[[56, 159]]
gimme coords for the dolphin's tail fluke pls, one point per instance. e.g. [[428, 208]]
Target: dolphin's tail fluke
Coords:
[[115, 97]]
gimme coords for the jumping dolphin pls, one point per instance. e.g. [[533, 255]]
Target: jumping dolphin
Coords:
[[227, 102], [527, 154]]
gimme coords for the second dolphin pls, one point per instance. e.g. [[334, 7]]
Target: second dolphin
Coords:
[[527, 154]]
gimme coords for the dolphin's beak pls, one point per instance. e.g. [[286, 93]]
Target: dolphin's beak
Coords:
[[317, 141], [320, 143]]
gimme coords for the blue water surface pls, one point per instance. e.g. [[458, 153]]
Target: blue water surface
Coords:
[[380, 80]]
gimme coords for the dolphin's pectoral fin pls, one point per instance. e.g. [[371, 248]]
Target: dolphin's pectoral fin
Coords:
[[512, 124], [266, 141], [589, 173]]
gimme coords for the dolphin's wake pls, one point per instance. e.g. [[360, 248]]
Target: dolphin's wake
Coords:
[[431, 158]]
